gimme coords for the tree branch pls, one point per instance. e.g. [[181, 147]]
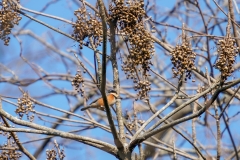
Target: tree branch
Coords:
[[15, 137], [48, 131], [200, 112], [103, 85]]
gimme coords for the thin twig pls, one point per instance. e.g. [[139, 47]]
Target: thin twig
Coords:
[[232, 17]]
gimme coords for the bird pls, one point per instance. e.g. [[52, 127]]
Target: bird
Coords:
[[99, 104]]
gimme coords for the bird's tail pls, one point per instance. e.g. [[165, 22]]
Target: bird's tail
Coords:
[[93, 106], [84, 108]]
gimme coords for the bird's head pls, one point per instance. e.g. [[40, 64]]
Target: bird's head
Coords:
[[113, 92]]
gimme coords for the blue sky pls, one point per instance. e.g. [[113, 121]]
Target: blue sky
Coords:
[[64, 9]]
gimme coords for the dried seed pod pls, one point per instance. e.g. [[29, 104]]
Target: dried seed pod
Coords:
[[227, 51], [78, 83], [25, 106], [11, 154], [129, 19], [51, 154], [8, 18], [183, 59], [87, 26]]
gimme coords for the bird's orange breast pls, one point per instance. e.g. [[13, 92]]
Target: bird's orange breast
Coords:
[[110, 98], [100, 102]]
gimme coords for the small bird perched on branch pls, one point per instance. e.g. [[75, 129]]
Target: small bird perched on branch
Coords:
[[99, 104]]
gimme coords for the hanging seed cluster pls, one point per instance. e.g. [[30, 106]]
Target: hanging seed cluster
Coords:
[[77, 82], [131, 121], [131, 125], [25, 105], [143, 86], [129, 17], [10, 155], [227, 52], [183, 59], [8, 18], [202, 89], [2, 132], [51, 154], [87, 26]]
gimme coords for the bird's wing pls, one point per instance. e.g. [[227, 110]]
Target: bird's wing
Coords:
[[95, 100]]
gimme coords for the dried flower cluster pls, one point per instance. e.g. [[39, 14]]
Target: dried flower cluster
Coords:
[[143, 86], [11, 154], [129, 17], [77, 82], [202, 89], [8, 18], [1, 131], [25, 105], [131, 124], [51, 154], [87, 26], [227, 51], [132, 120], [183, 59]]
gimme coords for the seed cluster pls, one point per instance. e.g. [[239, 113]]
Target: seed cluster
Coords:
[[144, 87], [51, 154], [227, 52], [131, 120], [131, 124], [8, 18], [2, 132], [10, 154], [25, 105], [183, 59], [129, 17], [77, 82], [87, 26]]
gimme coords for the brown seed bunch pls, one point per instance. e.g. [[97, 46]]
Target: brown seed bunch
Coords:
[[2, 132], [51, 154], [183, 59], [10, 155], [202, 89], [141, 83], [227, 52], [8, 18], [131, 125], [142, 48], [87, 26], [144, 87], [129, 17], [77, 82], [25, 105], [129, 21]]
